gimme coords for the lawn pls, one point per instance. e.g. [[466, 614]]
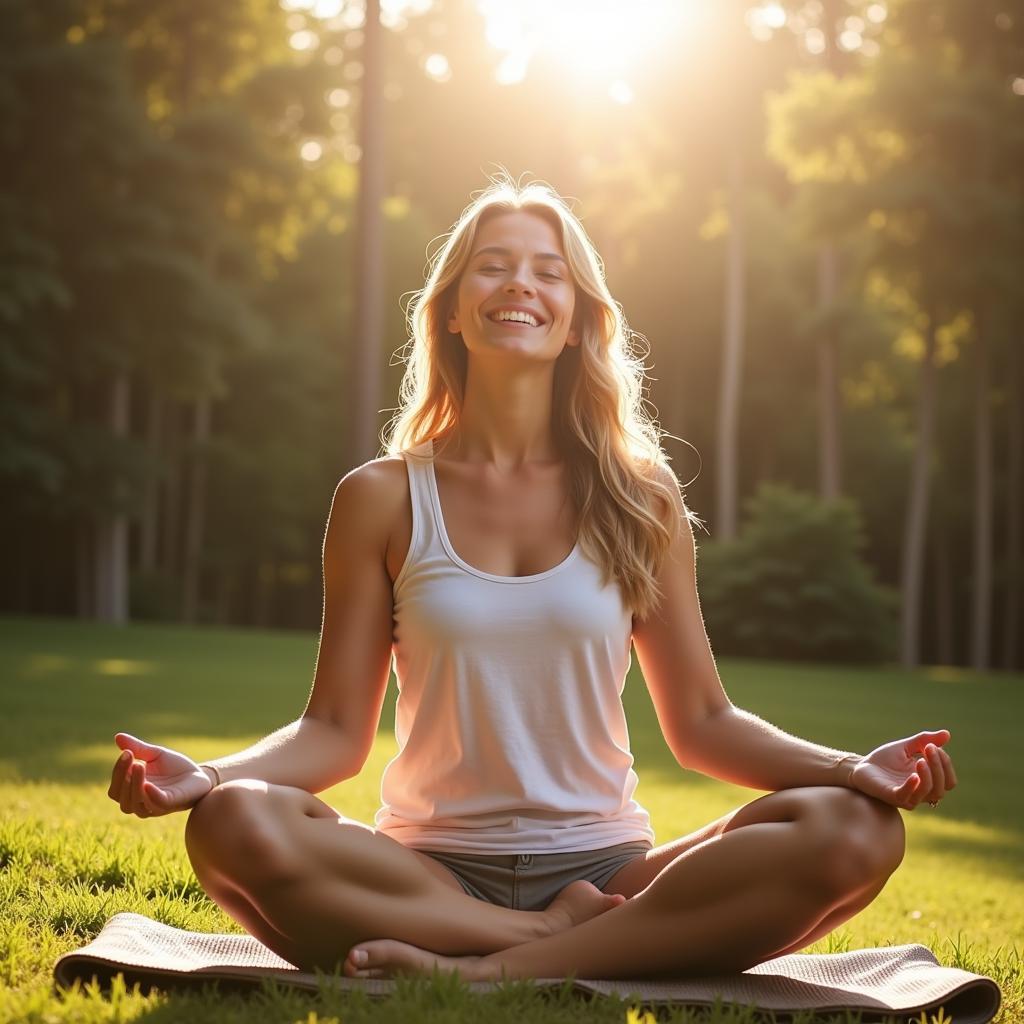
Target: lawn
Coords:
[[69, 859]]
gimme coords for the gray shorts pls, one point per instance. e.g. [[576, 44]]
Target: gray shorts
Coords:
[[530, 881]]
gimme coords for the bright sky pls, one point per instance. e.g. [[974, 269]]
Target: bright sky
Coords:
[[601, 39], [604, 42]]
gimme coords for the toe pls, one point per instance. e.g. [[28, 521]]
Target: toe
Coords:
[[355, 962]]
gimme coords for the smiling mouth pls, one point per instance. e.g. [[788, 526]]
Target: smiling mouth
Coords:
[[515, 318]]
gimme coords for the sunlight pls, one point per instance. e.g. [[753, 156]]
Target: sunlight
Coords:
[[45, 664], [123, 667], [437, 67], [603, 39], [304, 40], [346, 14]]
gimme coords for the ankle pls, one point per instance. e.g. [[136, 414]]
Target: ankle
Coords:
[[541, 923], [484, 968]]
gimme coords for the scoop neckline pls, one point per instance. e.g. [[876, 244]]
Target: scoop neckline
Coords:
[[442, 529]]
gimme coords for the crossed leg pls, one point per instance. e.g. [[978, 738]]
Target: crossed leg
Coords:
[[310, 883], [765, 880]]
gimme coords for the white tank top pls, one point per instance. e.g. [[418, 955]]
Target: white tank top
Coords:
[[510, 726]]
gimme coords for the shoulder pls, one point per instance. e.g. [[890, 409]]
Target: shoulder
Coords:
[[674, 513], [661, 473], [368, 499]]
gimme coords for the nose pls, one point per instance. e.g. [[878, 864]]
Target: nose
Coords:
[[519, 282]]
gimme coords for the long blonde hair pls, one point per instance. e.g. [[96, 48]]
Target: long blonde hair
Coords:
[[617, 472]]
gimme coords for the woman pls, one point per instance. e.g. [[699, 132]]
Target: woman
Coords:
[[522, 531]]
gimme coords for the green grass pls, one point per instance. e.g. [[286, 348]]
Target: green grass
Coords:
[[69, 859]]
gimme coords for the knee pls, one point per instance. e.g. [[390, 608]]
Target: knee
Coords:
[[237, 830], [857, 841]]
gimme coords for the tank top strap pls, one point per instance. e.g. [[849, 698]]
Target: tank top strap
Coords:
[[425, 540]]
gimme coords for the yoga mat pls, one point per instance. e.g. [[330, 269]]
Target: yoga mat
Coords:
[[896, 980]]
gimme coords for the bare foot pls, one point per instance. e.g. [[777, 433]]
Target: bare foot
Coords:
[[578, 902], [384, 958]]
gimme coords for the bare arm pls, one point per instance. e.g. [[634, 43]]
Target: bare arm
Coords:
[[706, 732], [332, 739]]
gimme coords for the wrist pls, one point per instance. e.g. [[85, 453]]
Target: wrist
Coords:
[[212, 773], [843, 768]]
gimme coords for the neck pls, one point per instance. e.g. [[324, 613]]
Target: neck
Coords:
[[506, 419]]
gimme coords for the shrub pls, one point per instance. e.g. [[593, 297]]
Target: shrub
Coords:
[[793, 585]]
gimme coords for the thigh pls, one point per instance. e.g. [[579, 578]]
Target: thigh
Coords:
[[314, 807], [250, 825], [785, 805]]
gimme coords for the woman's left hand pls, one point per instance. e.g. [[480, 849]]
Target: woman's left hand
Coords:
[[905, 772]]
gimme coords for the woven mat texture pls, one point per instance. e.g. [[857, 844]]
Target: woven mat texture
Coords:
[[893, 980]]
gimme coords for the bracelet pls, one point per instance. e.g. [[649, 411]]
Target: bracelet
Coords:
[[216, 774]]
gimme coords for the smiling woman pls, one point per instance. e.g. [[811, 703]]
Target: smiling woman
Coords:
[[522, 533], [516, 287]]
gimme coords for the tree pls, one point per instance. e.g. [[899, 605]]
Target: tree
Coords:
[[369, 320]]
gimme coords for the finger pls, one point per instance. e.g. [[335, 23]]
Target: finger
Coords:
[[117, 775], [126, 790], [138, 779], [950, 771], [938, 772], [925, 773], [902, 794]]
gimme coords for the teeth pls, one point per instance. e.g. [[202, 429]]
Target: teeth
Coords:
[[516, 316]]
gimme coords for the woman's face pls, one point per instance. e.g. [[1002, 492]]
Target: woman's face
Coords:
[[516, 294]]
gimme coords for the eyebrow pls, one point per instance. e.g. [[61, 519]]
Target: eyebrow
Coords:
[[499, 250]]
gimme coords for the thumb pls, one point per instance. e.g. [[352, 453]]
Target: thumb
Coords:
[[139, 748], [158, 797]]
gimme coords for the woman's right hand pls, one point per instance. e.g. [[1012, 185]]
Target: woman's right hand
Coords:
[[148, 780]]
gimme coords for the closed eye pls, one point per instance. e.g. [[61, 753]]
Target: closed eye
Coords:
[[495, 268]]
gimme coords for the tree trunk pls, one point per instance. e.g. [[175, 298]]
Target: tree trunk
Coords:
[[732, 352], [981, 598], [225, 597], [150, 523], [265, 580], [829, 453], [195, 510], [170, 520], [943, 591], [111, 562], [916, 523], [1014, 503], [367, 340], [85, 572]]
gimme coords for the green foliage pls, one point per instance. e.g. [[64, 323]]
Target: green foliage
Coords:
[[793, 586], [156, 217]]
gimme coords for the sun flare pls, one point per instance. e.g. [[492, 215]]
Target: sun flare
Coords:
[[601, 39]]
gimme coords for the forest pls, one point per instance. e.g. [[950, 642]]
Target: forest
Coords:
[[213, 217]]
